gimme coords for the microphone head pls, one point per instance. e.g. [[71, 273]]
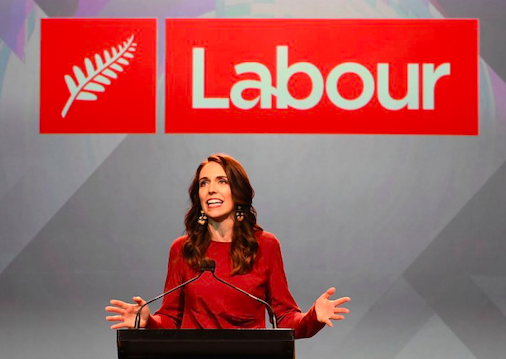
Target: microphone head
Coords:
[[212, 265], [207, 265]]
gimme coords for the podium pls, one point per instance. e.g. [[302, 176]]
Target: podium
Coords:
[[206, 343]]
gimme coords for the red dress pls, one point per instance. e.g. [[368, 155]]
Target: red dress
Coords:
[[209, 304]]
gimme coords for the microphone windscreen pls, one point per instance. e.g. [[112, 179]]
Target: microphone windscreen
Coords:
[[207, 265], [212, 264], [204, 265]]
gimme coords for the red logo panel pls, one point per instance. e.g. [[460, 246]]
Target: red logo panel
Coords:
[[98, 76], [322, 76]]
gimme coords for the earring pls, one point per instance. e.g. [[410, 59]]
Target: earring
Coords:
[[239, 214], [202, 218]]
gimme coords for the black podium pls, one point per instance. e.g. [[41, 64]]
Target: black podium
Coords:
[[206, 343]]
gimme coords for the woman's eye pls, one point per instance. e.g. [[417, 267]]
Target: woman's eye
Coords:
[[222, 181], [203, 183]]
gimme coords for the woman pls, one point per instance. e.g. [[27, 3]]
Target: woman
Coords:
[[221, 225]]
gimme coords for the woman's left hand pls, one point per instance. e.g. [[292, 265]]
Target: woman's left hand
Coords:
[[330, 309]]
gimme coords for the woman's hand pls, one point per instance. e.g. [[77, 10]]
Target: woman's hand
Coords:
[[330, 309], [126, 313]]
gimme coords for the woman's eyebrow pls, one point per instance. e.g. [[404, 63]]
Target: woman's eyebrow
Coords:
[[218, 177]]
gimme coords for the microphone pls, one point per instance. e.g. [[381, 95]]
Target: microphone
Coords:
[[205, 266], [211, 266]]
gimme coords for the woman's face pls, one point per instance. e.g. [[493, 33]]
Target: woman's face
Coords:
[[215, 193]]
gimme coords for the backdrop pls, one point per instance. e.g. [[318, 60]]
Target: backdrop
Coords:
[[411, 227]]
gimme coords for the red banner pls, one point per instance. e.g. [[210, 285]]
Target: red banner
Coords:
[[322, 76], [98, 76]]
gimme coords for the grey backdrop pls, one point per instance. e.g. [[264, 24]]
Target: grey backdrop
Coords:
[[411, 227]]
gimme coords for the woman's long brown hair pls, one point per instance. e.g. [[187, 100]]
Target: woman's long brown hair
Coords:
[[244, 244]]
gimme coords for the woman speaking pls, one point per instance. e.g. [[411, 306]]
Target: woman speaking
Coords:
[[221, 225]]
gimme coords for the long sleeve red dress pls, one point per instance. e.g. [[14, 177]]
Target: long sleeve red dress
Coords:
[[209, 304]]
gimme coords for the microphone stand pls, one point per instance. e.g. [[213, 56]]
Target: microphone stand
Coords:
[[208, 265], [203, 268], [272, 315]]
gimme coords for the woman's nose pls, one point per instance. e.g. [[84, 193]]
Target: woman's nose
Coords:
[[212, 188]]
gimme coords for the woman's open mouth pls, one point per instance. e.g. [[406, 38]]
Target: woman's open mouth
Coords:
[[214, 203]]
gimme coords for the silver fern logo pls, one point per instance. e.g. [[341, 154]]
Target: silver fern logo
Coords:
[[98, 75]]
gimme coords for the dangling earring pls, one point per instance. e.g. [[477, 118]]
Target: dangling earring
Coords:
[[202, 218], [239, 214]]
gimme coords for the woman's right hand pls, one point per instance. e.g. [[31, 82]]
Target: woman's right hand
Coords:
[[126, 313]]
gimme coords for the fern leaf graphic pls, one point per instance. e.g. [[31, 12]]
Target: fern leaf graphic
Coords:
[[84, 87], [102, 80], [89, 66], [110, 73]]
